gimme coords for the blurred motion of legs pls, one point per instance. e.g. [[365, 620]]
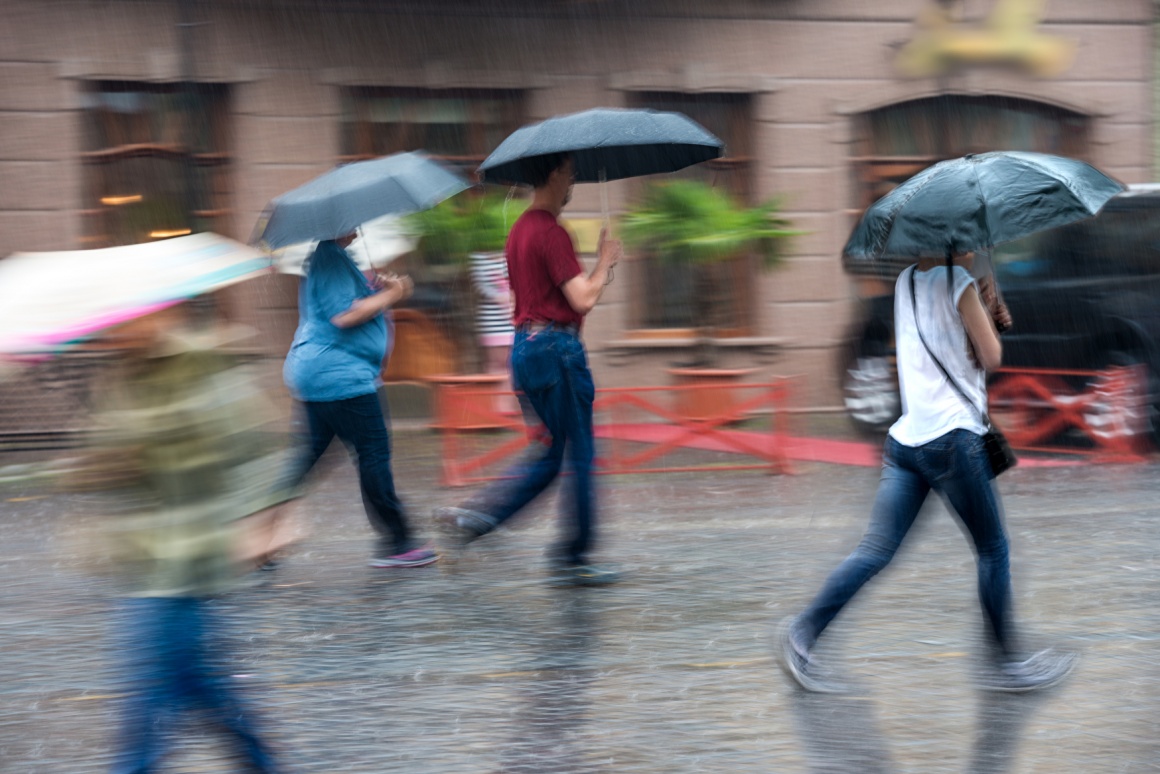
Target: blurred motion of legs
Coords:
[[956, 466], [551, 368], [359, 423], [169, 656]]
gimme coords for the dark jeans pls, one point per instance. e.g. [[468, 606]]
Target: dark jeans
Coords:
[[167, 654], [956, 466], [359, 423], [551, 368]]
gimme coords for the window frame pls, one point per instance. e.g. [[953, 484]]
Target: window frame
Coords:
[[739, 158], [212, 161]]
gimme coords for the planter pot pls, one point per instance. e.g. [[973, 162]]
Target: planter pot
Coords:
[[460, 406], [715, 394]]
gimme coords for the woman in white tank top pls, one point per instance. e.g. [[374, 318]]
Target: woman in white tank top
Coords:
[[936, 444]]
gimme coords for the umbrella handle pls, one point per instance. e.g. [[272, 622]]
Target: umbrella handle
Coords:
[[606, 220]]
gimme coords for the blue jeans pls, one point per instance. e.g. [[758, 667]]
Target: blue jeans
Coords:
[[167, 655], [359, 423], [551, 369], [956, 466]]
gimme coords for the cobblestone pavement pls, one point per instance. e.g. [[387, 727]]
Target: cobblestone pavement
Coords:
[[488, 669]]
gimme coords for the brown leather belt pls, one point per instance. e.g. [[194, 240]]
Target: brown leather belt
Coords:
[[536, 327]]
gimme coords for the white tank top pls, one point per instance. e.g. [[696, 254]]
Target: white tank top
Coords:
[[930, 406]]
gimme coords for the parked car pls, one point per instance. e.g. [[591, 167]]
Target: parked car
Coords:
[[1084, 297]]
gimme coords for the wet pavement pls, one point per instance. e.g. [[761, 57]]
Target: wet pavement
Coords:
[[486, 668]]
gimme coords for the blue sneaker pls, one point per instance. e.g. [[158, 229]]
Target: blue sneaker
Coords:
[[796, 662], [584, 575]]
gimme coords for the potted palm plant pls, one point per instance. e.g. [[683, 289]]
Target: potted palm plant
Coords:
[[692, 224]]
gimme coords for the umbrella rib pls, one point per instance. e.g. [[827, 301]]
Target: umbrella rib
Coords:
[[982, 201], [1065, 183], [901, 204]]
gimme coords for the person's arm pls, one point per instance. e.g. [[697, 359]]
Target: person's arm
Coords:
[[395, 289], [981, 331], [583, 291]]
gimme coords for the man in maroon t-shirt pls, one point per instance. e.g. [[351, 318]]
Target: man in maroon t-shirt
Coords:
[[549, 365]]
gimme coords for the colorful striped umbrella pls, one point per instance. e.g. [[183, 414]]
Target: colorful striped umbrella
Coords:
[[52, 301]]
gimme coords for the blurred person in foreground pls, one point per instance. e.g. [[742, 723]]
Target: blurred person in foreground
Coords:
[[937, 445], [549, 364], [180, 439], [333, 369]]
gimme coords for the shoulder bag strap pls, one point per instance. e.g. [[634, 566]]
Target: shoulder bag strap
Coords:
[[950, 379]]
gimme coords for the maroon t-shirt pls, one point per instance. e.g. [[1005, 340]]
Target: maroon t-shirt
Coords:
[[541, 258]]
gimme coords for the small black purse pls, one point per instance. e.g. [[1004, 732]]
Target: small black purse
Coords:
[[999, 453]]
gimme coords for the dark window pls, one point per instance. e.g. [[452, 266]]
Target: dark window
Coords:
[[899, 141], [461, 126], [156, 160], [666, 291], [1123, 240]]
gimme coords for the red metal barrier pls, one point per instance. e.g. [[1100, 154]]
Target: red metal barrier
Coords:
[[1035, 406], [662, 431]]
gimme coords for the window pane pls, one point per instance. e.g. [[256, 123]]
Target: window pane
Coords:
[[156, 162], [445, 122], [676, 295]]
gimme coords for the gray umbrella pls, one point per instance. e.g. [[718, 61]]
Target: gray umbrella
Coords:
[[605, 144], [979, 201], [338, 202]]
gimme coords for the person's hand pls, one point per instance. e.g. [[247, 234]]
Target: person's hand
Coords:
[[399, 287], [404, 284], [999, 312], [610, 251]]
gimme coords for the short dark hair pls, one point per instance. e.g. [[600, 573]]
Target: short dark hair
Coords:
[[538, 169]]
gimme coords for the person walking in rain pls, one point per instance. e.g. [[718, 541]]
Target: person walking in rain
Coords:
[[549, 363], [333, 369], [945, 328], [180, 437]]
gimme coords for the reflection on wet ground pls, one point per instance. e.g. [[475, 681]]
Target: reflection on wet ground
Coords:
[[488, 669]]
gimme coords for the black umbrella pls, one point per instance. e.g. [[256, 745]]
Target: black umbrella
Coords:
[[605, 144], [977, 202]]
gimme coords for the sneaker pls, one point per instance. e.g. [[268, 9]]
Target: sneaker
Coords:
[[796, 661], [461, 526], [416, 557], [584, 575], [1043, 669]]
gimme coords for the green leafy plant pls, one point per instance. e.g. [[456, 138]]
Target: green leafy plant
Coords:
[[463, 225], [694, 222], [691, 223], [448, 235]]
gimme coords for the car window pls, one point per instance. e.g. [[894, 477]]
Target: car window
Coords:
[[1122, 240]]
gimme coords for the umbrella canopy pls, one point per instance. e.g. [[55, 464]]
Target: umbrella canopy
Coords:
[[50, 301], [979, 201], [340, 201], [379, 242], [605, 144]]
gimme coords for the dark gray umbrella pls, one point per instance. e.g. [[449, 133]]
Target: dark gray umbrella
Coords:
[[606, 144], [344, 198], [979, 201]]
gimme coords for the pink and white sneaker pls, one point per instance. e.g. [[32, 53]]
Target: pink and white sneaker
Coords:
[[416, 557]]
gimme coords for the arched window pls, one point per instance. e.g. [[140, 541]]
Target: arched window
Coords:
[[896, 142]]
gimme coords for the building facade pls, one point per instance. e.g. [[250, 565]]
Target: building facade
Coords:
[[824, 104]]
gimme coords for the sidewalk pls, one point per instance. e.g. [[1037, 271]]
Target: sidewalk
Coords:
[[487, 669]]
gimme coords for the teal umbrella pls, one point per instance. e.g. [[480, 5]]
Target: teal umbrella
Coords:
[[979, 201]]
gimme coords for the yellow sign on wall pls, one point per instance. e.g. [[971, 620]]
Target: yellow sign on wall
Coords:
[[1008, 36]]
